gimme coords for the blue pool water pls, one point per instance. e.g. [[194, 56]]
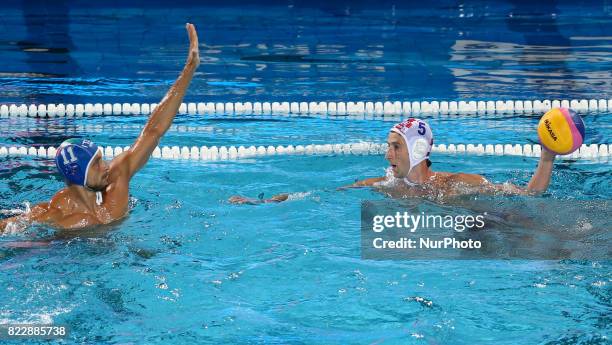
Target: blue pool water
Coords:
[[188, 267]]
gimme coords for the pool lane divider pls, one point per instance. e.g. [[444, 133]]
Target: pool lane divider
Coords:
[[110, 127], [221, 153], [370, 109]]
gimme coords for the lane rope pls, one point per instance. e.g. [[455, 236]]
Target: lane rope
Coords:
[[109, 128], [216, 153], [370, 109]]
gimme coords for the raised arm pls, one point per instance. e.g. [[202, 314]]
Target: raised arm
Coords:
[[161, 119], [538, 184], [539, 181], [541, 178]]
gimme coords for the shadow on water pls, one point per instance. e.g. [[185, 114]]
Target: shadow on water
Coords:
[[537, 24], [46, 50], [48, 43]]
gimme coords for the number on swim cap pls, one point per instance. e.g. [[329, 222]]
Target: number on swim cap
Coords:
[[561, 131]]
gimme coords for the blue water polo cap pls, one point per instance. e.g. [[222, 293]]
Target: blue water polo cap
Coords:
[[73, 159]]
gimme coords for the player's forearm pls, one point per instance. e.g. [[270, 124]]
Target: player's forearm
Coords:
[[166, 110], [363, 183], [541, 178]]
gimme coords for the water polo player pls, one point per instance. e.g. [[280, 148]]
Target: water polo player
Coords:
[[96, 192], [561, 131]]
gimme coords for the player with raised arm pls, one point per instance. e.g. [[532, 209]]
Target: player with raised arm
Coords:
[[97, 191]]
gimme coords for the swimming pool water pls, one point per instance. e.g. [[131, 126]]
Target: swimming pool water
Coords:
[[188, 267]]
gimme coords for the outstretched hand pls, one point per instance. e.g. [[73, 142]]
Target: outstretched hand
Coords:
[[238, 199], [194, 51]]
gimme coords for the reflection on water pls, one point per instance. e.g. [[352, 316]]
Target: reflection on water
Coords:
[[478, 65], [394, 51]]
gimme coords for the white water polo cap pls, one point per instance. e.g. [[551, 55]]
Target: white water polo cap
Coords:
[[418, 138]]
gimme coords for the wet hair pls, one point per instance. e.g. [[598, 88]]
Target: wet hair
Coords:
[[428, 163]]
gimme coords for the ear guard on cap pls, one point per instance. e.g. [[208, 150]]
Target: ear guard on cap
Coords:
[[418, 138], [420, 149]]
